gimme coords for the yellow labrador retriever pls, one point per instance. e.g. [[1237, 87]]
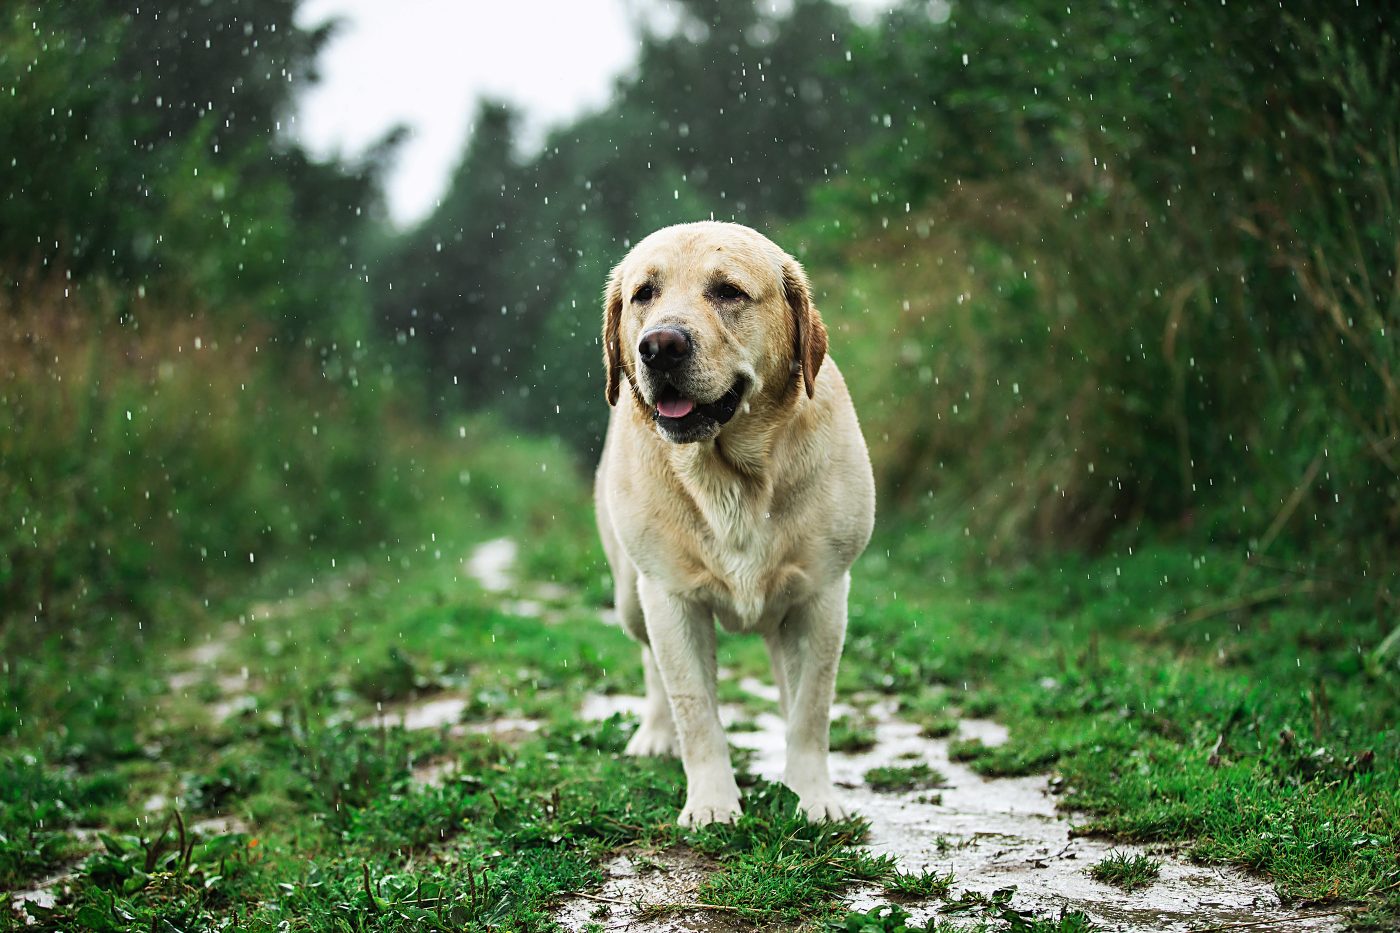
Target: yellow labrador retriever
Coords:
[[734, 485]]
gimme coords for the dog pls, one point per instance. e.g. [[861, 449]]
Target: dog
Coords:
[[734, 485]]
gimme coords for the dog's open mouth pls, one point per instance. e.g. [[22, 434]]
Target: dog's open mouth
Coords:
[[675, 411]]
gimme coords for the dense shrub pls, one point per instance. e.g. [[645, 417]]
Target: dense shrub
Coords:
[[139, 458], [1134, 262]]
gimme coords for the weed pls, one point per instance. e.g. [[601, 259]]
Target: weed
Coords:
[[37, 804], [889, 778], [998, 906], [938, 727], [851, 735], [887, 918], [927, 884], [779, 867], [1129, 872]]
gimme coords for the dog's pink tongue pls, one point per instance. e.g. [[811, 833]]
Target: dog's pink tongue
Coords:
[[675, 407]]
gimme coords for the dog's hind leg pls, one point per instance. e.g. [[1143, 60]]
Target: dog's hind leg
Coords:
[[780, 674], [657, 733]]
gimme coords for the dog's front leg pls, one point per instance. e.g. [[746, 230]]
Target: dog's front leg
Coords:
[[808, 650], [682, 637]]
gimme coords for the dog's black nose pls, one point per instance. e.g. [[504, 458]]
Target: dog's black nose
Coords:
[[664, 348]]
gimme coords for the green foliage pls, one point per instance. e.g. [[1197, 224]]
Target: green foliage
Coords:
[[929, 708], [921, 885], [1140, 265], [1120, 276], [849, 734], [1171, 732], [36, 805], [997, 906], [888, 778], [735, 114], [143, 147], [134, 456], [887, 918], [779, 867], [1129, 872], [331, 789]]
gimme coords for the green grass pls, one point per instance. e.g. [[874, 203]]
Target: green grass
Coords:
[[1129, 712], [850, 734], [890, 778], [777, 867], [1258, 739], [1129, 872], [921, 886], [931, 708]]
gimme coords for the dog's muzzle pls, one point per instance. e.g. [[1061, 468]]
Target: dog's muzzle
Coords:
[[684, 420]]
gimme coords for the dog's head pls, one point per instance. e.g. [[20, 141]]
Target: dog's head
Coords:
[[704, 318]]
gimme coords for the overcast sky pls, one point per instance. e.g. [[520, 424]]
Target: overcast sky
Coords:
[[424, 63]]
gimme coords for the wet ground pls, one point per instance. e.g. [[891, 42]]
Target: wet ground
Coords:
[[990, 833]]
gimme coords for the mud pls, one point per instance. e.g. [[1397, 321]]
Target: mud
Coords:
[[638, 881], [991, 833]]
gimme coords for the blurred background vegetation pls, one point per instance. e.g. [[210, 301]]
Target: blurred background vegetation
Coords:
[[1096, 275]]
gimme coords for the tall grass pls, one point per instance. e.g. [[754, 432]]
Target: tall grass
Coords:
[[155, 458], [141, 456], [1143, 276]]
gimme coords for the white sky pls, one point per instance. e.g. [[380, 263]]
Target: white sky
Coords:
[[424, 64]]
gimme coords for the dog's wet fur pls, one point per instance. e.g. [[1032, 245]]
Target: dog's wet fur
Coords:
[[734, 487]]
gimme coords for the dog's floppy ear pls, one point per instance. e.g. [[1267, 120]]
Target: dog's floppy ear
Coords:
[[612, 333], [810, 347]]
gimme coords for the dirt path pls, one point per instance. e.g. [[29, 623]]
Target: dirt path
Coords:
[[991, 833]]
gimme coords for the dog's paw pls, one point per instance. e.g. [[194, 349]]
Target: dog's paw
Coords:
[[703, 813], [649, 741], [823, 806]]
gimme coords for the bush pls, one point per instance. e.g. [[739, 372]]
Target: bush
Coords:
[[138, 459], [1125, 265]]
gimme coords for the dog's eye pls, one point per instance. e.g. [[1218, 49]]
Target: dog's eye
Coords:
[[644, 294], [728, 291]]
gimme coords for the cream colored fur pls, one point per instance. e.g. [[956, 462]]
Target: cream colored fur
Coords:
[[755, 527]]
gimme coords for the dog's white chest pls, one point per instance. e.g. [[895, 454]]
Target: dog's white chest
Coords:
[[743, 554]]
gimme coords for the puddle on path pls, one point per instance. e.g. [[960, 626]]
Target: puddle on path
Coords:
[[445, 712], [991, 833], [491, 564], [43, 894]]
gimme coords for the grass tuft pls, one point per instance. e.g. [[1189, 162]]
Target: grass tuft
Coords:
[[851, 735], [921, 886], [890, 778], [1129, 872]]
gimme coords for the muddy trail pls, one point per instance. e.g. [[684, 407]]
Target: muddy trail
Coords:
[[990, 833]]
